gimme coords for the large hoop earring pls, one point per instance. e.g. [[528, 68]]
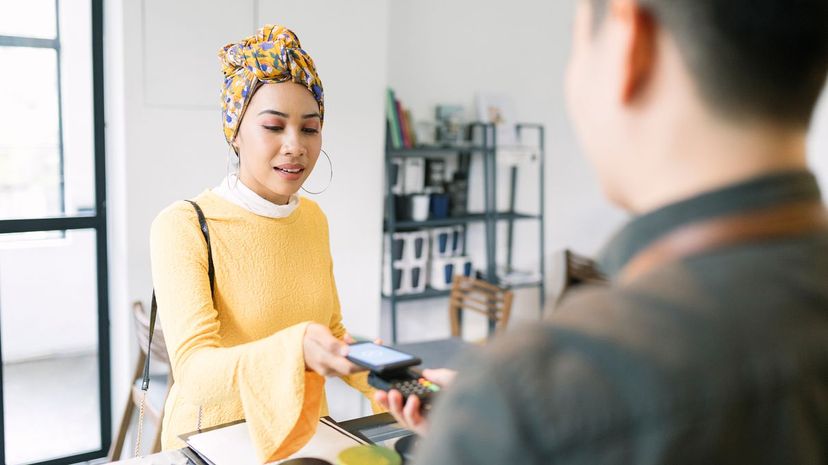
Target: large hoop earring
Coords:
[[235, 175], [330, 179]]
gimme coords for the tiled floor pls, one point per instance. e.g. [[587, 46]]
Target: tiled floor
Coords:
[[50, 408]]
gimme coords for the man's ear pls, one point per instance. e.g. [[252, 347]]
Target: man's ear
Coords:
[[639, 53]]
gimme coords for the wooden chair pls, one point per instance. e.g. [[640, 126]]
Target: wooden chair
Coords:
[[479, 296], [159, 386], [579, 271]]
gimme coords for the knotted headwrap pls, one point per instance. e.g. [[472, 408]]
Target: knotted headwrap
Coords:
[[272, 55]]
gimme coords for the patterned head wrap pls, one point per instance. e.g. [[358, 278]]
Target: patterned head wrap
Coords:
[[272, 55]]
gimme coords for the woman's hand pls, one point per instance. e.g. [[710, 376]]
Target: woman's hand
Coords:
[[349, 340], [325, 354], [408, 415]]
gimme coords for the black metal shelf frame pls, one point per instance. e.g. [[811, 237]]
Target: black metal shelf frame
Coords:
[[490, 217], [464, 219]]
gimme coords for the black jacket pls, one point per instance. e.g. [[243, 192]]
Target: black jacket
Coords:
[[720, 358]]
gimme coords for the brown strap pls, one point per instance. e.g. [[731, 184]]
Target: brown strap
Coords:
[[788, 220]]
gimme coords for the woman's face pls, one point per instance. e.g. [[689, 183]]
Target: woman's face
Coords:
[[279, 140]]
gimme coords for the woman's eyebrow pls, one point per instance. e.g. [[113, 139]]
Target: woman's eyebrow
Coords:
[[274, 112], [285, 115]]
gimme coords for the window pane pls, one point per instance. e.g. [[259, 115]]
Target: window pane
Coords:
[[30, 162], [77, 107], [47, 164], [48, 318], [29, 18]]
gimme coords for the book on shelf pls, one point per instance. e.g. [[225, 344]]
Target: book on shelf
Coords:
[[400, 127], [406, 138], [393, 121], [409, 124]]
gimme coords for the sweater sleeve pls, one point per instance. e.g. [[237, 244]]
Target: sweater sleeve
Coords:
[[279, 397]]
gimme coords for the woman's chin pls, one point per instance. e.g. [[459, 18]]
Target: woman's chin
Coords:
[[283, 188]]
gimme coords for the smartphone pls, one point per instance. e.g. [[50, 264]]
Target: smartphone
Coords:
[[380, 359]]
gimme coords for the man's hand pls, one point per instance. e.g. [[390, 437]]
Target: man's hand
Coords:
[[408, 415]]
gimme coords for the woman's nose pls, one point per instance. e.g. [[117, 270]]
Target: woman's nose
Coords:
[[291, 144]]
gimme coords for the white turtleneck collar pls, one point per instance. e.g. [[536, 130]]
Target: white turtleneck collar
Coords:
[[233, 190]]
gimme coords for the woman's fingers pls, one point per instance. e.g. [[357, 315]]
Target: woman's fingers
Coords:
[[342, 366], [325, 354], [334, 346]]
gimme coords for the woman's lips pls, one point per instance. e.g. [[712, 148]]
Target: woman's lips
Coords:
[[290, 172]]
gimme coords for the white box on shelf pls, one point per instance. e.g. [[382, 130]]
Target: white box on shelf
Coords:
[[443, 271], [447, 241], [418, 278], [407, 247], [408, 278], [395, 275]]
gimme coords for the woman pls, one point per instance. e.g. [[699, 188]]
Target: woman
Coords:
[[260, 346]]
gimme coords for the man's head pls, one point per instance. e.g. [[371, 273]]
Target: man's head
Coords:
[[651, 83]]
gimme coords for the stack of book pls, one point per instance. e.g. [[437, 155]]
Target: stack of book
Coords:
[[400, 123], [231, 444]]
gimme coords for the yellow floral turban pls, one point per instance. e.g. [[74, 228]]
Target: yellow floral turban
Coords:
[[272, 55]]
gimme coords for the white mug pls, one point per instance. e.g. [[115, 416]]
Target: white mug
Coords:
[[419, 207]]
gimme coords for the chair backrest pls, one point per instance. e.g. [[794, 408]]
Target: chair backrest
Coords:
[[582, 270], [479, 296], [153, 409], [158, 351], [578, 271]]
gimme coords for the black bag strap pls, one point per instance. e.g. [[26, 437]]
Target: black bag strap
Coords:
[[202, 221]]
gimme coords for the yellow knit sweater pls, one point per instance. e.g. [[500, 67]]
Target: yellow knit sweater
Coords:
[[240, 355]]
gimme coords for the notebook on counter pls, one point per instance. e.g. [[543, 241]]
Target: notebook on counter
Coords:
[[231, 444]]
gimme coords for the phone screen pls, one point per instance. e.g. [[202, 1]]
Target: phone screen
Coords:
[[373, 355]]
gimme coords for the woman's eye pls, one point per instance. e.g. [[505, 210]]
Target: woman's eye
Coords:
[[273, 128], [311, 130]]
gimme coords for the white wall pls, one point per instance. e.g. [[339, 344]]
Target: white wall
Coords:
[[445, 52], [165, 141]]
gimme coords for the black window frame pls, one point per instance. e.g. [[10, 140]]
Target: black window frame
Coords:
[[86, 220]]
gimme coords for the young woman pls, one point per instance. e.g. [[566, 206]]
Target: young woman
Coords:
[[259, 346]]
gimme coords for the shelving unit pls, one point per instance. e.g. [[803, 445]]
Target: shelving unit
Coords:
[[490, 216]]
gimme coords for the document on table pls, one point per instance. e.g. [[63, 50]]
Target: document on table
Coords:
[[231, 444]]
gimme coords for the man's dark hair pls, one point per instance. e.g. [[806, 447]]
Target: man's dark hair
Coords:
[[763, 59]]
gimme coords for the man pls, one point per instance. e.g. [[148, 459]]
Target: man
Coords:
[[711, 343]]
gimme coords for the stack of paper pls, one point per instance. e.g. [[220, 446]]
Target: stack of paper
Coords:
[[231, 444]]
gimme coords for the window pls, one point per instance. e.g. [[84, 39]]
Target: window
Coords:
[[54, 340]]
